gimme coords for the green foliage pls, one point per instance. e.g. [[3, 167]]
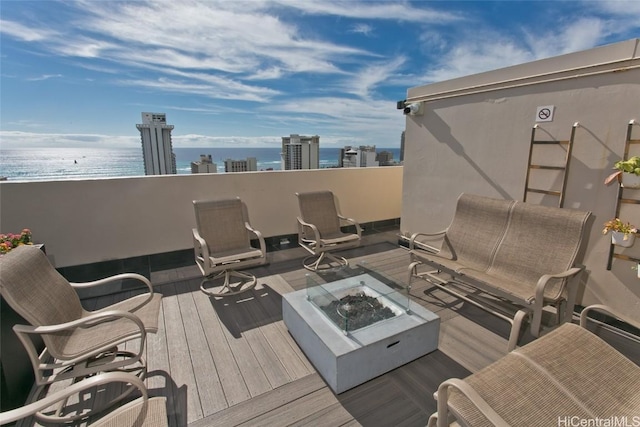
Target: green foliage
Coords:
[[630, 166]]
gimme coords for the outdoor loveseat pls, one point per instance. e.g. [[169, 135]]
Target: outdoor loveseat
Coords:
[[568, 377], [516, 253]]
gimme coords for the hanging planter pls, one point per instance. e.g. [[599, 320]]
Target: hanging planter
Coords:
[[630, 180], [622, 233], [625, 240]]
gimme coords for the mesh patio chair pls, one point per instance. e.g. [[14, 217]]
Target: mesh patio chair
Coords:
[[141, 412], [78, 343], [319, 230], [566, 376], [222, 245]]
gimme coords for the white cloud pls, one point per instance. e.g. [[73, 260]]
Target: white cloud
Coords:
[[209, 35], [18, 139], [373, 10], [372, 75], [580, 34], [23, 32], [474, 55], [490, 49], [629, 8], [43, 77], [346, 116], [234, 91], [365, 29]]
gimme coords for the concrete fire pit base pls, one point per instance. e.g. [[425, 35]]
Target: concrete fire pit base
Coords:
[[345, 361]]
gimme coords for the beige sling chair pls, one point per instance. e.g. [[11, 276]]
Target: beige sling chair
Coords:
[[222, 246], [78, 343], [319, 230]]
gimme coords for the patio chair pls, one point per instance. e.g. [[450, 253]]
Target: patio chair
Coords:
[[77, 342], [222, 245], [141, 412], [566, 377], [319, 230]]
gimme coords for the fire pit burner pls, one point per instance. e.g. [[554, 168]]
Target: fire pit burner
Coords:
[[356, 311]]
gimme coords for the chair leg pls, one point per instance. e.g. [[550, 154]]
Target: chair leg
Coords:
[[247, 282], [324, 258]]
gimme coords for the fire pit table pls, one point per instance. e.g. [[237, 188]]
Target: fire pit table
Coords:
[[354, 327]]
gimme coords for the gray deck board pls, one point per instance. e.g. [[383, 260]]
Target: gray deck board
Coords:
[[188, 403], [267, 402], [157, 358], [296, 411], [210, 392], [235, 389]]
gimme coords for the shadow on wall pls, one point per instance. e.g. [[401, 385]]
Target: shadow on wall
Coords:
[[442, 132]]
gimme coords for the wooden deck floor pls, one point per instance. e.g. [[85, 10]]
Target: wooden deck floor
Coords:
[[232, 362]]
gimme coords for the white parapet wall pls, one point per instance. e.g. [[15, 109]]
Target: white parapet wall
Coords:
[[87, 221], [474, 136]]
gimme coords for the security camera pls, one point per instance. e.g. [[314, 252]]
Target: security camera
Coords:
[[413, 109]]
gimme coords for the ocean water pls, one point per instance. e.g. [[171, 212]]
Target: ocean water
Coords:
[[37, 164]]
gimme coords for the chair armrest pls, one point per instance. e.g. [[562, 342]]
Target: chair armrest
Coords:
[[86, 322], [302, 224], [413, 244], [352, 221], [584, 315], [122, 276], [74, 388], [200, 245], [258, 234], [538, 301], [471, 394], [544, 279]]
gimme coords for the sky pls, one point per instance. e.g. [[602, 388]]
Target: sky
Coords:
[[245, 73]]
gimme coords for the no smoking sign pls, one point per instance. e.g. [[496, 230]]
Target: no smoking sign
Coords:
[[545, 113]]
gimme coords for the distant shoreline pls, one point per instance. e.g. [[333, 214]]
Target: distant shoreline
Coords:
[[57, 163]]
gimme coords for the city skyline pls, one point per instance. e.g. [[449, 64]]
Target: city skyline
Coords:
[[78, 74]]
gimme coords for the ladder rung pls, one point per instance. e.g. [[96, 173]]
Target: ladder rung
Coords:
[[535, 190], [627, 257], [632, 201], [558, 168], [634, 141], [549, 142]]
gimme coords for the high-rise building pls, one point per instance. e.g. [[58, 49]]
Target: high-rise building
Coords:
[[385, 158], [300, 152], [205, 165], [251, 164], [157, 152], [361, 157]]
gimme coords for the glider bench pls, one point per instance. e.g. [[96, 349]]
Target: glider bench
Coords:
[[517, 257], [567, 377]]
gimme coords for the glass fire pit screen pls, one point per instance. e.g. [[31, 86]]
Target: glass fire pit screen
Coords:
[[357, 302]]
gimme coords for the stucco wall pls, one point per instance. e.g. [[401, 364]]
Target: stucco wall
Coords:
[[85, 221], [479, 143]]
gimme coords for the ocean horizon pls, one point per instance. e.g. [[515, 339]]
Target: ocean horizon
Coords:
[[40, 164]]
